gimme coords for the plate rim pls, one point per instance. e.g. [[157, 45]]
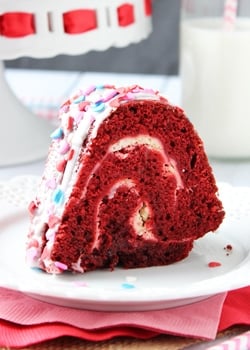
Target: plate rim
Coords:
[[128, 297]]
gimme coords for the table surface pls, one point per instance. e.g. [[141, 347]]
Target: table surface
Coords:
[[50, 92]]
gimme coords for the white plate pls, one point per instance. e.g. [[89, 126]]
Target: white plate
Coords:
[[136, 289]]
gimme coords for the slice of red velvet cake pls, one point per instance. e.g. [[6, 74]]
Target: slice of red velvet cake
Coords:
[[127, 182]]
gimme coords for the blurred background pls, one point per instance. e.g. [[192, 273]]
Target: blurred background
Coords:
[[156, 55]]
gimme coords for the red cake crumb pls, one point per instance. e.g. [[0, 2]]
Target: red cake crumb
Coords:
[[214, 264], [228, 248]]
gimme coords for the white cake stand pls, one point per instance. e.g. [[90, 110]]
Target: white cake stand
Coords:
[[23, 136]]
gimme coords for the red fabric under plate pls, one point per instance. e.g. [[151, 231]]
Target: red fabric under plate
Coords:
[[236, 309], [18, 336], [25, 321]]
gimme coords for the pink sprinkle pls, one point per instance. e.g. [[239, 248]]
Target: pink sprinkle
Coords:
[[109, 95], [65, 147], [64, 109], [71, 154], [149, 91], [214, 264], [88, 91], [53, 220], [82, 106], [51, 209], [50, 235], [61, 266], [51, 183], [78, 118], [130, 96], [60, 166], [31, 254], [137, 88]]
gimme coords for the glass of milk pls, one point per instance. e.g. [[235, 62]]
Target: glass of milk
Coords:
[[215, 74]]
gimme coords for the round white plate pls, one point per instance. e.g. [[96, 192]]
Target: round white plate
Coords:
[[178, 284]]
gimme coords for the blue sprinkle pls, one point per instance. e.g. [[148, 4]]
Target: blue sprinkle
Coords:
[[98, 106], [128, 286], [37, 269], [79, 99], [99, 87], [57, 134], [58, 196]]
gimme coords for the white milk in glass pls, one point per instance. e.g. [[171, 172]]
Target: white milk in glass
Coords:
[[215, 75]]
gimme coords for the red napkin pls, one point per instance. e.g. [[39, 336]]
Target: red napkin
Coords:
[[236, 309], [25, 321]]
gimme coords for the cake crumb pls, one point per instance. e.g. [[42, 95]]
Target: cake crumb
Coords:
[[214, 264], [228, 248]]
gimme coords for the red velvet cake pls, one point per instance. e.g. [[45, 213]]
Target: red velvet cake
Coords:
[[126, 183]]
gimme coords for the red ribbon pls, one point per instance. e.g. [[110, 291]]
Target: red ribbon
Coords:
[[148, 7], [125, 15], [79, 21], [16, 24], [21, 24]]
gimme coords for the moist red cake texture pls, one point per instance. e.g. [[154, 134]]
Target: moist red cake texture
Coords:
[[127, 183]]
